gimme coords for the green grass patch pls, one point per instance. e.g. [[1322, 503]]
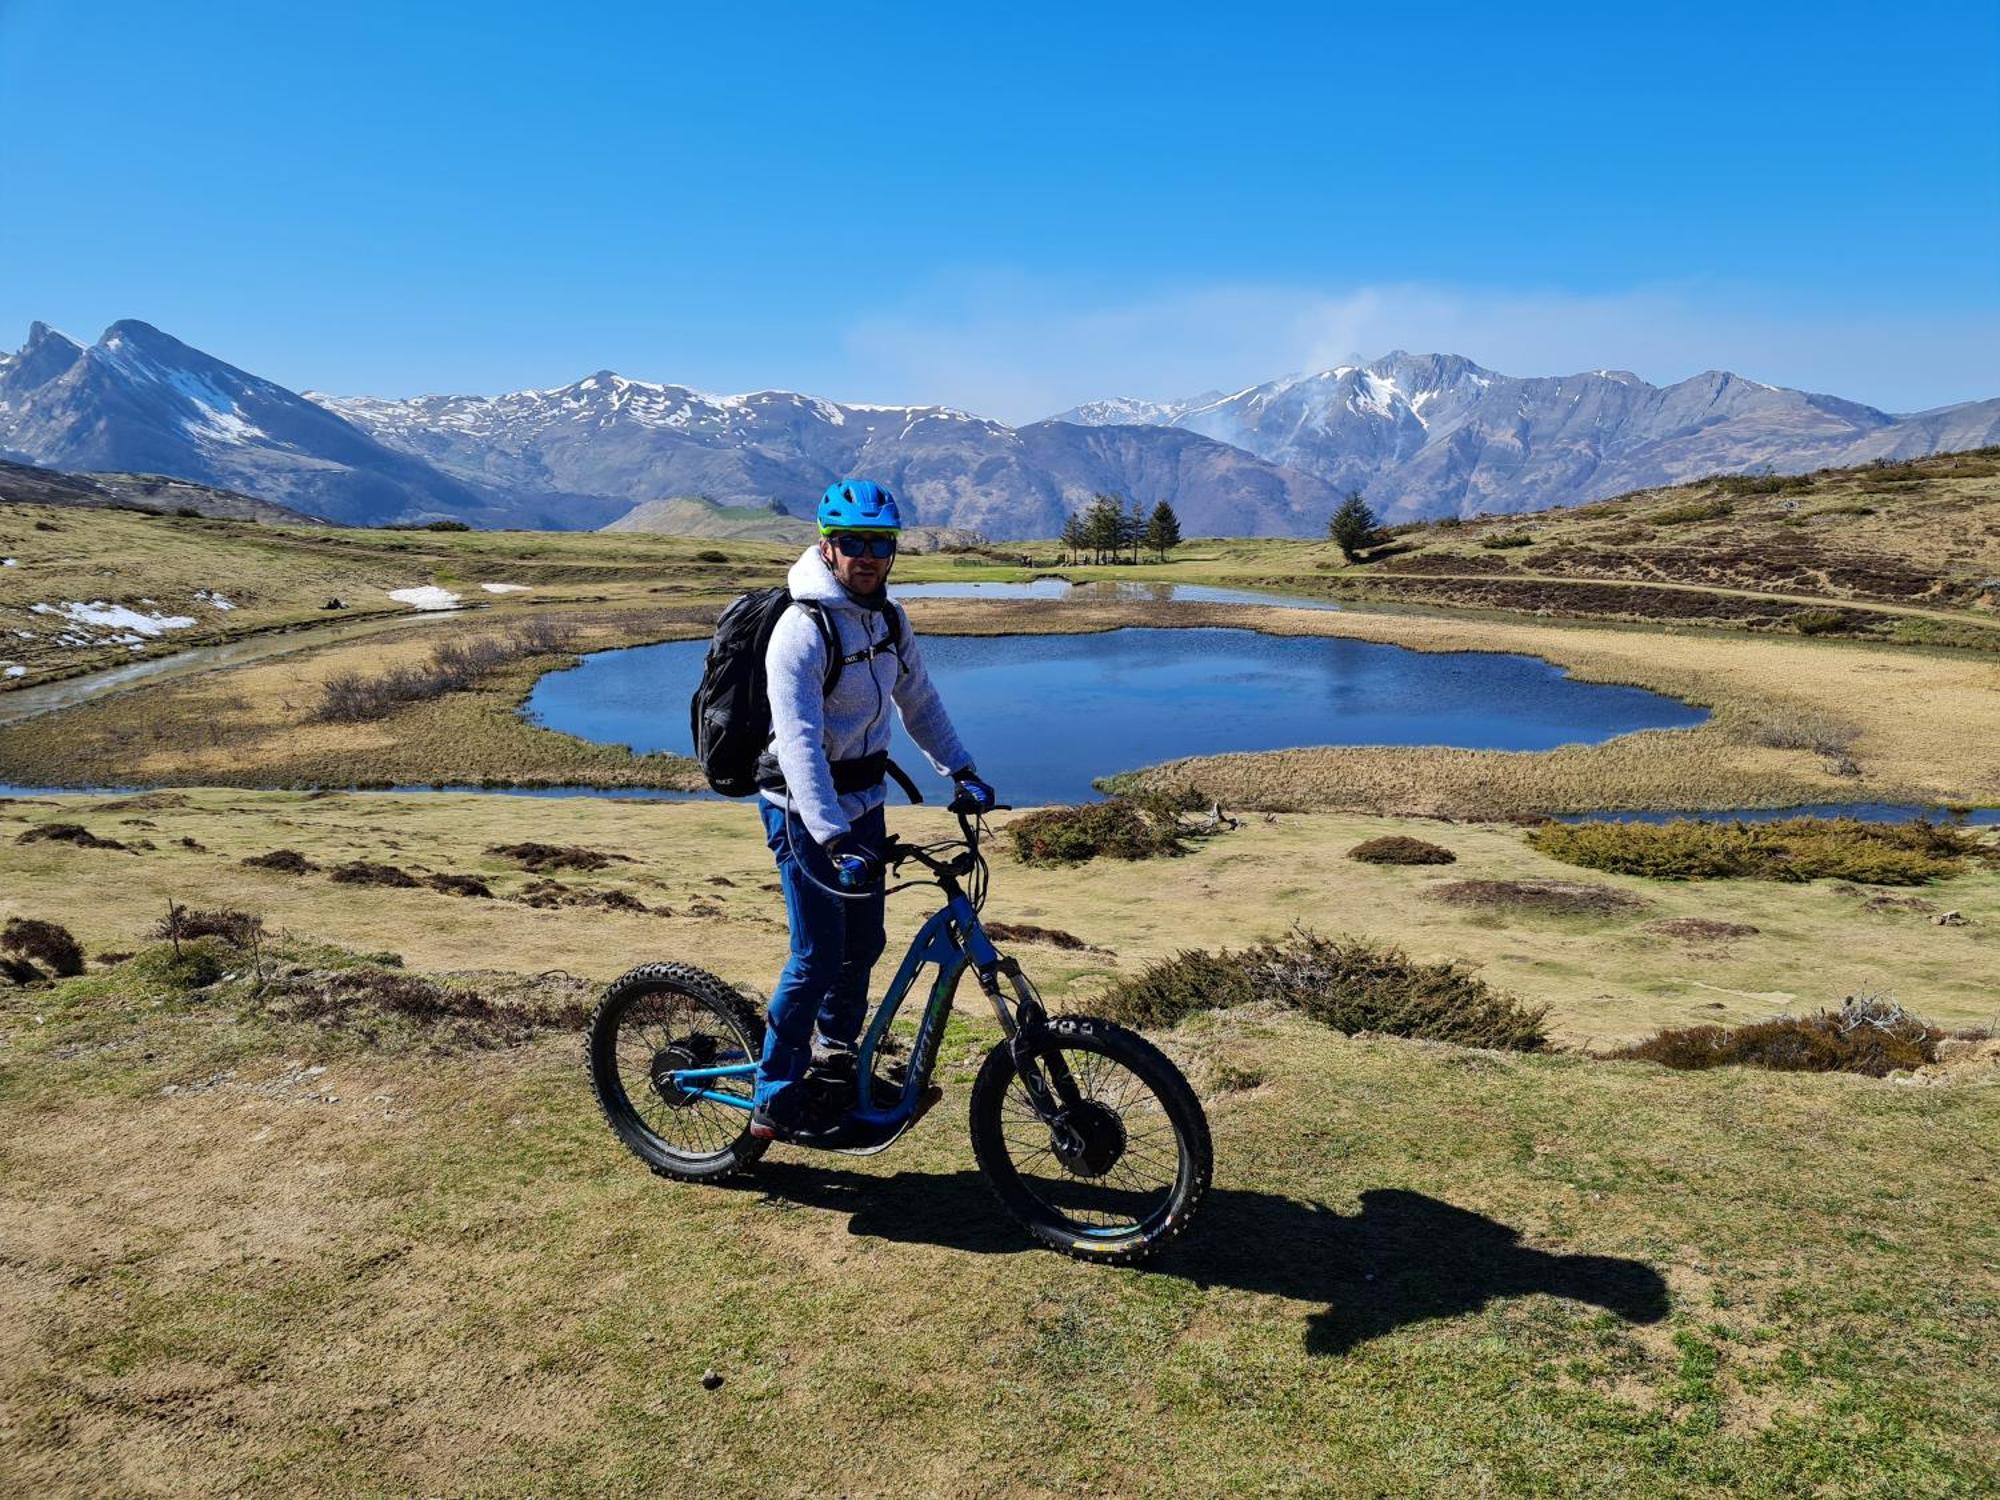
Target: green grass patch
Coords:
[[1350, 984], [1792, 849]]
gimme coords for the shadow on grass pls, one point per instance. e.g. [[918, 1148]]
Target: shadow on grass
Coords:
[[1404, 1258]]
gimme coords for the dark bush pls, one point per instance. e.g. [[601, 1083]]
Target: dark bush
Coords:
[[187, 512], [1792, 849], [1866, 1035], [1117, 828], [541, 858], [710, 555], [237, 928], [459, 885], [68, 833], [1505, 540], [1349, 984], [287, 861], [367, 872], [29, 937], [19, 971], [1400, 849]]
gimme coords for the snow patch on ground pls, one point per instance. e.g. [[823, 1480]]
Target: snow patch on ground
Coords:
[[8, 562], [212, 599], [428, 596], [505, 588], [117, 616], [17, 672]]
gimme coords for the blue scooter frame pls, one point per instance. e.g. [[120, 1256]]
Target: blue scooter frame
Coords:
[[953, 939]]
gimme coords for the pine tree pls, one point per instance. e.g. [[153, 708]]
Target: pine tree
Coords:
[[1132, 529], [1163, 530], [1353, 526], [1073, 536], [1101, 526]]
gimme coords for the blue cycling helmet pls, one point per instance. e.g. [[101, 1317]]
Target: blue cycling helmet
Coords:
[[858, 505]]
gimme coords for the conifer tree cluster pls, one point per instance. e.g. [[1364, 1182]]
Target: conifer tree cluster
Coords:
[[1110, 528]]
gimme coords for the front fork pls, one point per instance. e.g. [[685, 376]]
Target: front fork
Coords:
[[1053, 1096]]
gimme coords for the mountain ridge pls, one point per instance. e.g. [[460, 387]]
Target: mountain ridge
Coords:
[[1425, 435], [1422, 435]]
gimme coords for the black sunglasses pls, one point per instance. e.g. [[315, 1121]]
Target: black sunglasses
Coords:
[[851, 544]]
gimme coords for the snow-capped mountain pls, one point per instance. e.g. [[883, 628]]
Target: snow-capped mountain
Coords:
[[140, 401], [1435, 434], [609, 436], [1421, 435]]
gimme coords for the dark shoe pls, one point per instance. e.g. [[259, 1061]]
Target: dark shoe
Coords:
[[764, 1127]]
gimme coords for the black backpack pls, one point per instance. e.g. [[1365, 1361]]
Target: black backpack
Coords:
[[730, 713]]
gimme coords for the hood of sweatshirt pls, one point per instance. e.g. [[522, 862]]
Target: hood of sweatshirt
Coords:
[[810, 578]]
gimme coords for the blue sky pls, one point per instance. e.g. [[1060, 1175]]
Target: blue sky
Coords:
[[1011, 208]]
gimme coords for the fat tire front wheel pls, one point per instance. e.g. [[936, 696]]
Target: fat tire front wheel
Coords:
[[1128, 1086], [654, 1008]]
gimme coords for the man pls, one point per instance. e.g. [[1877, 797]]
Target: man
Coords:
[[821, 796]]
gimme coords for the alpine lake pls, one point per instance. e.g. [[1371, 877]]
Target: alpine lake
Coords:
[[1047, 714]]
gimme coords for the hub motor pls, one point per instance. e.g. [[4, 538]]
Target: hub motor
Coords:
[[1091, 1140]]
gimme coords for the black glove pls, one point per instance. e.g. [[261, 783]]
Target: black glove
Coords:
[[855, 867], [966, 784]]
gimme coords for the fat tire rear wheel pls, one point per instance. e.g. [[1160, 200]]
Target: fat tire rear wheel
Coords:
[[1132, 1052], [730, 1012]]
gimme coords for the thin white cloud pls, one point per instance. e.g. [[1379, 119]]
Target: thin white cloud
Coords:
[[1018, 350]]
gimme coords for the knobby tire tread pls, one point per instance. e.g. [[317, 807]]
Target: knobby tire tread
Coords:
[[602, 1049], [1157, 1071]]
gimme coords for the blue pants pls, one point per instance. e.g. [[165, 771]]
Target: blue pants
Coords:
[[835, 942]]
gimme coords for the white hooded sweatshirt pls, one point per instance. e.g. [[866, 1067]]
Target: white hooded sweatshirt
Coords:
[[809, 729]]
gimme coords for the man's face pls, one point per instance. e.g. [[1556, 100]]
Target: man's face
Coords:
[[863, 574]]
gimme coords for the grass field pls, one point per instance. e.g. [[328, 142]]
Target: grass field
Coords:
[[1608, 978], [243, 1254], [238, 1256]]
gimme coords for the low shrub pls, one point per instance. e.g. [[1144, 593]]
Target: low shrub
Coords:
[[1822, 622], [1028, 932], [710, 555], [1562, 898], [460, 885], [351, 697], [237, 928], [1791, 849], [1505, 540], [285, 861], [367, 872], [1400, 849], [31, 938], [378, 1006], [541, 858], [1349, 984], [1117, 828], [1866, 1035], [194, 965], [68, 833], [1693, 510]]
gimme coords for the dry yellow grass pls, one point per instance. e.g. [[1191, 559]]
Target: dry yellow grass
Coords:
[[1607, 979]]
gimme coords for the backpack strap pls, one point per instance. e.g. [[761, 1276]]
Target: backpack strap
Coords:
[[829, 638]]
